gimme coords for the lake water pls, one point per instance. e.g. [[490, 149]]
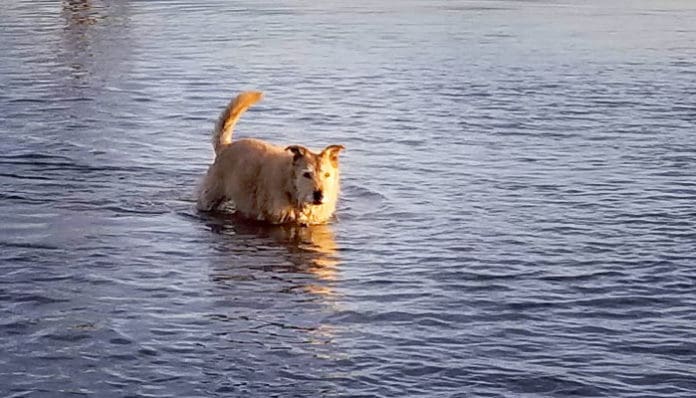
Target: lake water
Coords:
[[518, 214]]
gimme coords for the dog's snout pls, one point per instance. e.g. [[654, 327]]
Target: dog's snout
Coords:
[[318, 197]]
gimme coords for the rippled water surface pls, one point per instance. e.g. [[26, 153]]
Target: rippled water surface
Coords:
[[518, 214]]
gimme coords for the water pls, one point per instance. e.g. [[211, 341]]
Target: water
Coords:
[[517, 215]]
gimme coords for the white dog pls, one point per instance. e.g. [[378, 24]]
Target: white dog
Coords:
[[267, 182]]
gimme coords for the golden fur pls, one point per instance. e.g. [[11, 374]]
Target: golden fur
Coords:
[[267, 182]]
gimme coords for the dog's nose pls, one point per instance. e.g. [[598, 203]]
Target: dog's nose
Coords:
[[318, 197]]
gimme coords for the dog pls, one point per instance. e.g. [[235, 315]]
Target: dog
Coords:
[[266, 182]]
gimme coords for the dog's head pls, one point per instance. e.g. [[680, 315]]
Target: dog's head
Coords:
[[316, 175]]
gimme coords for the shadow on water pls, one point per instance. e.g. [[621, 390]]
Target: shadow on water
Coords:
[[80, 16], [95, 39], [80, 12]]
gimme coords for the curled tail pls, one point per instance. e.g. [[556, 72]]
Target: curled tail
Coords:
[[222, 135]]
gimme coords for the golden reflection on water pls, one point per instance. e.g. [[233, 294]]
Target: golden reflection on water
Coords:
[[290, 258], [316, 244], [296, 249]]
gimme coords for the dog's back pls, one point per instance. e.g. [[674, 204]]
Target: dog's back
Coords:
[[256, 177]]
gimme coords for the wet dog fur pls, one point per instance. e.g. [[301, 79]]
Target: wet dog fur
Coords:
[[267, 182]]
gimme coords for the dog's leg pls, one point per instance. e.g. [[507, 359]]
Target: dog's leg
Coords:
[[210, 196], [209, 202]]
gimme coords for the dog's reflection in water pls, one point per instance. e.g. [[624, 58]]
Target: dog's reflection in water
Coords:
[[282, 249]]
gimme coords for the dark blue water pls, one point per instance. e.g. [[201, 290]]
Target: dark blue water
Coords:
[[518, 214]]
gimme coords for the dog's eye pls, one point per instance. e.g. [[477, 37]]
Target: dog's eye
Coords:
[[307, 174], [327, 175]]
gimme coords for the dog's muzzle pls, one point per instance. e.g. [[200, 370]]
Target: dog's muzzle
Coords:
[[318, 197]]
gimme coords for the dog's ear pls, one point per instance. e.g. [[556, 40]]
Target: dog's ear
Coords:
[[298, 151], [331, 152]]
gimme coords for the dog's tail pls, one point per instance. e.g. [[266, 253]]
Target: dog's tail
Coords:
[[222, 135]]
